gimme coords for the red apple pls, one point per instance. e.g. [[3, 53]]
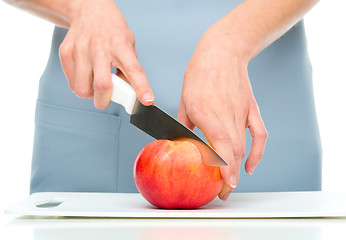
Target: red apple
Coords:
[[171, 174]]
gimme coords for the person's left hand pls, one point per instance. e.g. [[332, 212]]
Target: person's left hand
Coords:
[[217, 98]]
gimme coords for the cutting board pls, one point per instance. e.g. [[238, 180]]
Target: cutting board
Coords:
[[133, 205]]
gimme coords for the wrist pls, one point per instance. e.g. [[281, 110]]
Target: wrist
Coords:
[[69, 9], [77, 8], [239, 42]]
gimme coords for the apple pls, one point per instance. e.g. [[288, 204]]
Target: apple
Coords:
[[172, 175]]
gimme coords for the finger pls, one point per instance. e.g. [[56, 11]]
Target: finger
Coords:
[[236, 129], [234, 126], [217, 132], [67, 61], [102, 82], [260, 135], [237, 133], [225, 192], [238, 145], [134, 72], [182, 117], [83, 72], [220, 140], [241, 148]]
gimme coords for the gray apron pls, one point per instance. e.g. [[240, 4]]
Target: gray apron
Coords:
[[80, 148]]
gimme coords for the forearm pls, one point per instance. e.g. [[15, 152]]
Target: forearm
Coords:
[[255, 24], [60, 12]]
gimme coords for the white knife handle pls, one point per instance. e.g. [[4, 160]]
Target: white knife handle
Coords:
[[123, 93]]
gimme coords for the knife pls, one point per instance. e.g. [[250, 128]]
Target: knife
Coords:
[[157, 123]]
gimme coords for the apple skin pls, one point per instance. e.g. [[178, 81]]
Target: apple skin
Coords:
[[172, 175]]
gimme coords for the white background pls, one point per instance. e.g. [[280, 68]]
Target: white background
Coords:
[[24, 48]]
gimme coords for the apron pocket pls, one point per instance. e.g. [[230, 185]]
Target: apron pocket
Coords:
[[74, 150]]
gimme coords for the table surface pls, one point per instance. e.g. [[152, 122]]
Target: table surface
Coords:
[[14, 227]]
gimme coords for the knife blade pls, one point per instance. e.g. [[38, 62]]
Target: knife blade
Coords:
[[157, 123]]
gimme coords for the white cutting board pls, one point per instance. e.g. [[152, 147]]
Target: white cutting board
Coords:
[[133, 205]]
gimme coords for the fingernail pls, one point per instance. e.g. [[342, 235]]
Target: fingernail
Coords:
[[252, 170], [148, 97], [225, 196], [233, 181]]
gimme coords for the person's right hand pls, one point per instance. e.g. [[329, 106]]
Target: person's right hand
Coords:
[[99, 38]]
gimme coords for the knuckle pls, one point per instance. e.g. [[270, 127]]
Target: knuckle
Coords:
[[126, 48], [133, 68], [263, 134], [128, 38], [101, 84], [81, 45], [238, 154], [238, 150], [195, 109], [98, 42], [83, 92], [252, 103], [199, 112], [124, 39], [65, 50]]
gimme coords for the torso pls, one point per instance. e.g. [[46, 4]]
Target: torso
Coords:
[[166, 35]]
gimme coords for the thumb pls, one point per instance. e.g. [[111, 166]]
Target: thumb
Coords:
[[183, 118]]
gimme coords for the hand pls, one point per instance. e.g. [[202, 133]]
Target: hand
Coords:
[[99, 38], [217, 98]]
